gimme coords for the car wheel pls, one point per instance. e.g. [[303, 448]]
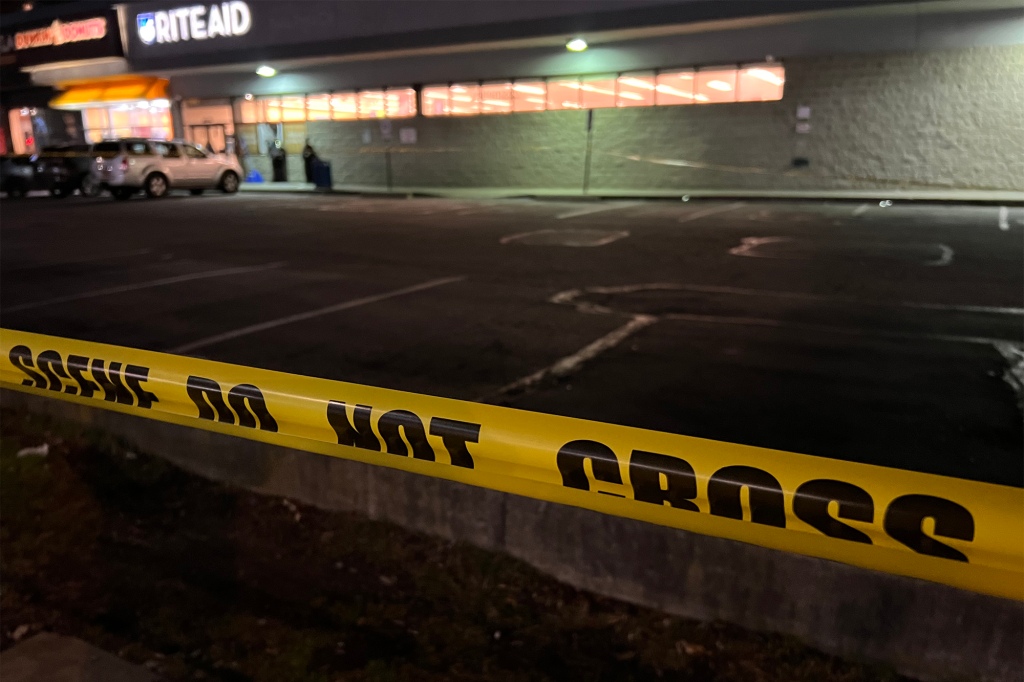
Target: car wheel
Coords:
[[195, 192], [229, 183], [122, 193], [156, 186], [88, 186], [61, 191], [15, 190]]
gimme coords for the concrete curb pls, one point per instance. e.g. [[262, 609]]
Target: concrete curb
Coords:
[[952, 195], [922, 629]]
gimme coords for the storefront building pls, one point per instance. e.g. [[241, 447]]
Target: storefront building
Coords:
[[664, 95], [66, 83]]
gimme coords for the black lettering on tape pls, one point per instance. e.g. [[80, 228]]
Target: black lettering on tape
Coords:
[[767, 504], [21, 357], [905, 515], [358, 432], [134, 375], [389, 425], [257, 407], [455, 434], [206, 395], [811, 501], [51, 364], [571, 458], [77, 364], [114, 389], [646, 470]]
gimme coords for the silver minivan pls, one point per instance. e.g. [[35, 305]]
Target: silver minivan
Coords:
[[157, 166]]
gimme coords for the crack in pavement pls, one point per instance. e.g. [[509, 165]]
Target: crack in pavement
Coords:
[[570, 364]]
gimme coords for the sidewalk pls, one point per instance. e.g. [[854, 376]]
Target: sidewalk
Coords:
[[52, 658], [479, 193]]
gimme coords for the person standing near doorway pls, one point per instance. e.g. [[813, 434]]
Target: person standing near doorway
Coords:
[[279, 161], [309, 158]]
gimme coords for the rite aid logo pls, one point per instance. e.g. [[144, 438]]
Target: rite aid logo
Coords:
[[196, 22]]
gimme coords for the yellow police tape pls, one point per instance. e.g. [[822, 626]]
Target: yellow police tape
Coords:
[[961, 533]]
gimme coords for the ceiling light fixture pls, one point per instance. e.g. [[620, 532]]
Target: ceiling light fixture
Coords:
[[576, 45], [266, 71]]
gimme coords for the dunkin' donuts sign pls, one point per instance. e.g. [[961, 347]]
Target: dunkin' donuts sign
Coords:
[[59, 33]]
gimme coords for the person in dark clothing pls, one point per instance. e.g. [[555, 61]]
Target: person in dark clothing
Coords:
[[279, 160], [309, 157]]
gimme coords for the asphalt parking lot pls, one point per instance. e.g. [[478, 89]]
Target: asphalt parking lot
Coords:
[[892, 335]]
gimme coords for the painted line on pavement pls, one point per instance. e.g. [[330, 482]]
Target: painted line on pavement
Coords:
[[166, 281], [945, 256], [571, 363], [607, 239], [696, 215], [1004, 218], [597, 209], [299, 317], [1013, 353]]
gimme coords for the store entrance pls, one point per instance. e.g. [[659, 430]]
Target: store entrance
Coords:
[[212, 136]]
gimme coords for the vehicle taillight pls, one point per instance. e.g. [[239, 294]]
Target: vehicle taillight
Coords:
[[124, 165]]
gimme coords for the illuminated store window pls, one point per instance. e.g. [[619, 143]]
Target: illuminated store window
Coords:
[[715, 85], [400, 102], [22, 133], [760, 83], [372, 104], [598, 92], [435, 100], [344, 106], [636, 90], [270, 110], [144, 118], [318, 107], [464, 99], [564, 94], [529, 96], [293, 109], [675, 87], [496, 98]]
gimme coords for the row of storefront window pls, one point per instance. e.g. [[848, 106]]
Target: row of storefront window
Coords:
[[749, 83]]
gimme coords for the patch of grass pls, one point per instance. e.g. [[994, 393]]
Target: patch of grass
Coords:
[[203, 581]]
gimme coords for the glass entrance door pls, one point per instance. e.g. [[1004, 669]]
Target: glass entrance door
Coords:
[[212, 136]]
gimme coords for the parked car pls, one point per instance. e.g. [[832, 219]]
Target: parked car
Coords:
[[21, 174], [158, 166], [78, 161]]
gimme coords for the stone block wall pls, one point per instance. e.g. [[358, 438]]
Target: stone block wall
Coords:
[[923, 120]]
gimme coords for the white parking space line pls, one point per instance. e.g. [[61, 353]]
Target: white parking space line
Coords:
[[310, 314], [1004, 218], [945, 256], [597, 209], [1013, 353], [696, 215], [166, 281], [571, 363], [579, 238], [860, 210]]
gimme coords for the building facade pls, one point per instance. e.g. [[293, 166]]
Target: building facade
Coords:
[[667, 96]]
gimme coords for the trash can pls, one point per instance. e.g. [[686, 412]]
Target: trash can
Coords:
[[322, 175]]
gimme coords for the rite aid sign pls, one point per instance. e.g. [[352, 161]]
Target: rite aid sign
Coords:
[[195, 22]]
